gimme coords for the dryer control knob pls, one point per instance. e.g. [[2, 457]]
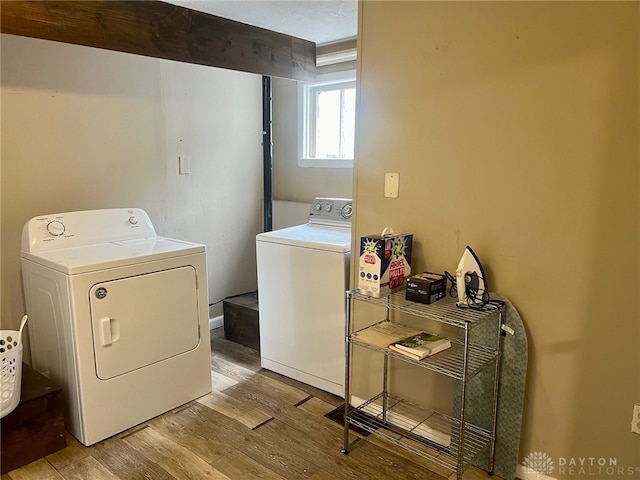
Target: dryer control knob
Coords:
[[133, 220], [55, 228]]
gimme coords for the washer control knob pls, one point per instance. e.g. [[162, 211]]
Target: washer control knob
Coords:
[[55, 228], [317, 207], [133, 220], [347, 210], [328, 207]]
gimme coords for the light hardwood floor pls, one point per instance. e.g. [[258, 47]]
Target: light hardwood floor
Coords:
[[255, 424]]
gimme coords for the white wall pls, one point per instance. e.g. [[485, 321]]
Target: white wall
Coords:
[[85, 128], [291, 182], [288, 214]]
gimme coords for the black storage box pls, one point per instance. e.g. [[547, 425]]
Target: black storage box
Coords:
[[426, 287]]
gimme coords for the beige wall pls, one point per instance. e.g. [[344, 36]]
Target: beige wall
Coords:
[[85, 128], [291, 182], [515, 129]]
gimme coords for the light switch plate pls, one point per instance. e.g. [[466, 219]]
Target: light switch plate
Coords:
[[183, 165]]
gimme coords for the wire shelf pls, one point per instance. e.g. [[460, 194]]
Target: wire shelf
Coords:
[[445, 440], [444, 310], [427, 433], [449, 362]]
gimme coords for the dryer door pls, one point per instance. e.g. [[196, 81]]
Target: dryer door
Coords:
[[141, 320]]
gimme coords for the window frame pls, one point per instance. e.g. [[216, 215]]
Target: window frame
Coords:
[[346, 79]]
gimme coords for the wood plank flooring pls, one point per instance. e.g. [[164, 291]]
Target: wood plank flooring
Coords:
[[255, 424]]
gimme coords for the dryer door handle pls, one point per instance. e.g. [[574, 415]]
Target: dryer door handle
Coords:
[[105, 331]]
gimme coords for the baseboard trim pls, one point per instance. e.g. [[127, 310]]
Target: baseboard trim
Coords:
[[216, 322]]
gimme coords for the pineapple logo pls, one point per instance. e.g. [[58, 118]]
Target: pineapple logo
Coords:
[[538, 463]]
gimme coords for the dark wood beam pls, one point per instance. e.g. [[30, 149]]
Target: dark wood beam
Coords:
[[162, 30]]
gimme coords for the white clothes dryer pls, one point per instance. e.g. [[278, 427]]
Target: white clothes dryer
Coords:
[[118, 317], [303, 274]]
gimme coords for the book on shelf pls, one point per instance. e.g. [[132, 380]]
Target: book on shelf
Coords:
[[420, 345]]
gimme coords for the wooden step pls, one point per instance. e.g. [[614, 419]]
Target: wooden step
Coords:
[[242, 320]]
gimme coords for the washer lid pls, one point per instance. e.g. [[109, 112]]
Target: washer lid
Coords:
[[319, 237], [72, 261]]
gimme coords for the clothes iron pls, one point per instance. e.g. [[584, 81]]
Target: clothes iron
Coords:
[[470, 281]]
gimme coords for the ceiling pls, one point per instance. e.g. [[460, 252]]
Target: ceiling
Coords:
[[320, 21]]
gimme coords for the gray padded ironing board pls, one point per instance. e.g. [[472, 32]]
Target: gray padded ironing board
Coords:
[[513, 374]]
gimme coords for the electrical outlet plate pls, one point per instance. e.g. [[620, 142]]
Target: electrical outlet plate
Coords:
[[635, 423]]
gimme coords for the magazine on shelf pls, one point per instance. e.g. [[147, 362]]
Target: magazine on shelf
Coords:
[[421, 345], [384, 334]]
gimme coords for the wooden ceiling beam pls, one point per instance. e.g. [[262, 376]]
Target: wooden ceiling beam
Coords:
[[162, 30]]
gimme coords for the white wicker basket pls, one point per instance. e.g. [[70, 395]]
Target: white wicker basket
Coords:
[[11, 361]]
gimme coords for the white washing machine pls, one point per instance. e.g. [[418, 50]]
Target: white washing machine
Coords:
[[303, 274], [118, 317]]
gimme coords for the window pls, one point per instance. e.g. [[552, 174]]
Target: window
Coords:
[[326, 128]]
